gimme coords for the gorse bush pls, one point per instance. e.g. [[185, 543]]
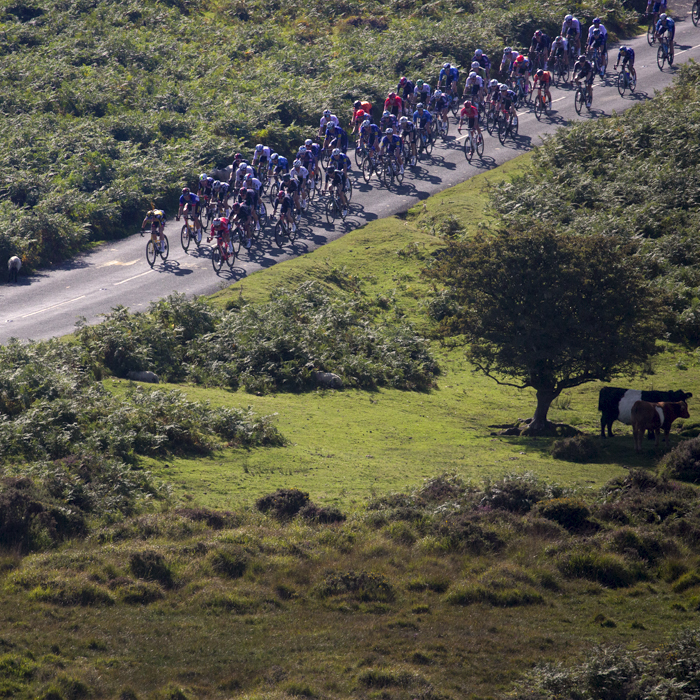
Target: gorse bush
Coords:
[[683, 462], [633, 176], [107, 105]]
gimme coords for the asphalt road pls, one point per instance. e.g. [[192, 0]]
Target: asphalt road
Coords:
[[51, 301]]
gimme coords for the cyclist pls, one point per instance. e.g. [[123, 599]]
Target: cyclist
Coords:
[[544, 78], [336, 137], [626, 54], [421, 92], [440, 103], [358, 116], [284, 201], [279, 165], [308, 160], [540, 45], [205, 187], [326, 119], [521, 70], [596, 42], [422, 119], [473, 88], [242, 216], [448, 78], [407, 132], [656, 7], [560, 47], [222, 196], [405, 88], [493, 93], [261, 157], [220, 228], [394, 104], [483, 60], [664, 24], [155, 218], [387, 121], [571, 31], [339, 165], [369, 135], [507, 61], [252, 183], [603, 35], [238, 178], [584, 70], [301, 174], [189, 204], [234, 166], [291, 186], [470, 112], [507, 101], [393, 145], [247, 195]]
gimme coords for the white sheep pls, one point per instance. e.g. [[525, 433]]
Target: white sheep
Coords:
[[14, 265]]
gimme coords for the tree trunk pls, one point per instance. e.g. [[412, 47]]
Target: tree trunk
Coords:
[[544, 401]]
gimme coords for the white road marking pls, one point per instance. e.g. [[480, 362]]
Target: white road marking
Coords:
[[559, 99], [132, 278], [678, 53], [118, 262], [48, 308]]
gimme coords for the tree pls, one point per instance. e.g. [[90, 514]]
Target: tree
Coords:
[[549, 311]]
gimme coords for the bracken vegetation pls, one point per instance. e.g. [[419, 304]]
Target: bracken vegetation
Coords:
[[634, 176], [109, 106]]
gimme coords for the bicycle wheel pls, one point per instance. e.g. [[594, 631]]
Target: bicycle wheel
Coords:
[[367, 169], [236, 241], [262, 214], [279, 234], [479, 145], [513, 128], [539, 107], [579, 100], [359, 156], [428, 144], [274, 190], [292, 233], [217, 258], [331, 212], [621, 83], [166, 249], [695, 13], [632, 83], [348, 189], [502, 129], [491, 122], [468, 149], [650, 33], [661, 57], [151, 253], [399, 174], [185, 237], [445, 128], [231, 260]]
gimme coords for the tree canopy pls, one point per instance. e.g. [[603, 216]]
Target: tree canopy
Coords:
[[549, 311]]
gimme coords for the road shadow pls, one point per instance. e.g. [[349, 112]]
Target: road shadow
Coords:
[[173, 267]]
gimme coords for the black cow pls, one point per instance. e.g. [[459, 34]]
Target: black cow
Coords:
[[616, 404]]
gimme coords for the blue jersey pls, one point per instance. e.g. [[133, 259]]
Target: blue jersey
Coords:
[[669, 24], [391, 142], [450, 75], [482, 60], [339, 162], [371, 133], [282, 162], [422, 119], [194, 199]]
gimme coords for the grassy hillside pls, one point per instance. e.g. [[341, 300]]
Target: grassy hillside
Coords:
[[109, 106]]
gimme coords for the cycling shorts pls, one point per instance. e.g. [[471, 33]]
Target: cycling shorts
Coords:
[[658, 6], [472, 122], [291, 186], [628, 59], [339, 178], [279, 170]]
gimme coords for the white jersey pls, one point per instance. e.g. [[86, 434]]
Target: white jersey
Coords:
[[563, 43], [254, 184], [424, 90], [326, 122], [603, 31], [302, 172]]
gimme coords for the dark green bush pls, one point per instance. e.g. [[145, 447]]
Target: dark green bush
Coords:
[[459, 532], [516, 493], [581, 448], [361, 585], [570, 513], [601, 568], [321, 514], [149, 565], [499, 597], [683, 462], [231, 564], [283, 503]]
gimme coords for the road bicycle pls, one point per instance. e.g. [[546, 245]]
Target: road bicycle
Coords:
[[474, 143], [284, 230], [334, 207], [581, 98], [369, 166], [424, 144], [597, 58], [492, 117], [443, 126], [507, 126], [625, 81], [390, 170], [651, 28], [360, 152], [538, 61], [560, 69], [208, 211], [663, 55], [189, 233], [222, 253], [542, 105], [695, 13], [154, 248], [522, 90]]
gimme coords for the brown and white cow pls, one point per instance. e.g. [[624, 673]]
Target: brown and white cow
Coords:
[[654, 417]]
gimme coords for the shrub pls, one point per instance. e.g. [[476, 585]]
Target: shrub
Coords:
[[215, 519], [231, 564], [321, 514], [283, 503], [459, 532], [140, 593], [363, 586], [570, 513], [580, 448], [687, 581], [516, 493], [604, 569], [71, 594], [499, 597], [683, 462], [149, 565]]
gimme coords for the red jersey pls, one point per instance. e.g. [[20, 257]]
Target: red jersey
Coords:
[[359, 116], [395, 102], [545, 79], [469, 112]]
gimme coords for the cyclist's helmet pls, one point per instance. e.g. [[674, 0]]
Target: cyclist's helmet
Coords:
[[403, 120], [438, 94], [538, 33], [508, 49], [493, 83], [623, 49], [216, 185], [238, 156], [308, 143], [419, 83], [203, 177], [249, 177], [479, 53], [403, 80], [662, 17], [297, 163], [540, 73], [568, 18], [596, 32], [236, 207], [327, 113], [274, 156], [336, 152], [445, 65], [357, 104], [475, 65], [386, 114], [388, 131], [472, 74], [558, 40], [582, 57], [419, 105], [243, 190], [520, 58], [365, 124], [392, 95], [504, 87], [286, 177], [301, 151], [468, 103], [185, 190], [259, 148], [280, 194], [596, 20]]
